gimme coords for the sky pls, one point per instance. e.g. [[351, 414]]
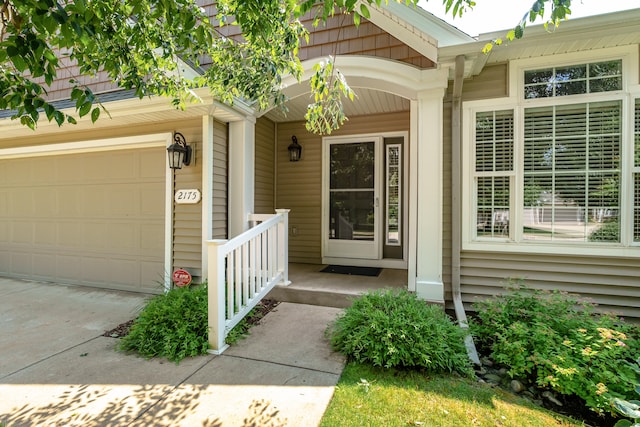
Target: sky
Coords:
[[493, 15]]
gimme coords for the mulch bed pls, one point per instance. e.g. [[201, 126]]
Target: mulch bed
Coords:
[[261, 310]]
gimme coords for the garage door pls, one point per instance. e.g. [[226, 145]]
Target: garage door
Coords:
[[93, 219]]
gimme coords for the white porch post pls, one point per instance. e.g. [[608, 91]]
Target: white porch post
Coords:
[[427, 195], [241, 174], [207, 188]]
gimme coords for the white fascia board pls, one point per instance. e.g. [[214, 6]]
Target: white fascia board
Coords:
[[615, 22], [109, 144], [401, 18], [411, 36]]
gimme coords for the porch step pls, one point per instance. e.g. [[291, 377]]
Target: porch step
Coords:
[[311, 296]]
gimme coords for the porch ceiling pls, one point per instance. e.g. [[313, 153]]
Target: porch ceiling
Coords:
[[367, 102]]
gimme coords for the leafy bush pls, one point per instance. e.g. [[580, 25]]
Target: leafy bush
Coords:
[[387, 328], [173, 325], [556, 341], [630, 408], [607, 232]]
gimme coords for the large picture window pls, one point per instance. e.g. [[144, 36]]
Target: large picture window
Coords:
[[572, 172], [553, 166]]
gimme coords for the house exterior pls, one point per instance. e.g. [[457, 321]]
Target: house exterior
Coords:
[[464, 169]]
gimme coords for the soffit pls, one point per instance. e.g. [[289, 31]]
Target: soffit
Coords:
[[367, 102]]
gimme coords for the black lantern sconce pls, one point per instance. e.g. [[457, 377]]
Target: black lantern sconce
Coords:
[[295, 150], [179, 152]]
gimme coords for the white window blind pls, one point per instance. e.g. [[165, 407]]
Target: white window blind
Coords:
[[393, 193], [636, 175], [494, 157], [572, 172]]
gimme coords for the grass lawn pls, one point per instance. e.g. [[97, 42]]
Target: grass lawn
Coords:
[[367, 396]]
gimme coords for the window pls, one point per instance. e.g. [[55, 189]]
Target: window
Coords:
[[636, 175], [493, 171], [572, 172], [573, 80], [553, 166]]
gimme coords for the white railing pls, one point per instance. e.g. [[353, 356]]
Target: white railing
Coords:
[[243, 270]]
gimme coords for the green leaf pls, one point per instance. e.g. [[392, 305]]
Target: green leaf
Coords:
[[518, 32], [19, 63], [95, 114], [59, 116], [49, 111], [356, 19], [28, 121], [364, 11], [84, 109]]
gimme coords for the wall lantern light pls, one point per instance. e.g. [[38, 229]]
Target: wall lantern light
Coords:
[[295, 150], [179, 152]]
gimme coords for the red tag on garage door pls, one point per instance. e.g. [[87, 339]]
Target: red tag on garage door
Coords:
[[181, 278]]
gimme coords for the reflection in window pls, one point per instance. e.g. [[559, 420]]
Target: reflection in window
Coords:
[[572, 172], [493, 170], [573, 80], [352, 191], [636, 175], [393, 191]]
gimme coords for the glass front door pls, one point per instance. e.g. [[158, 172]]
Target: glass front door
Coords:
[[352, 200]]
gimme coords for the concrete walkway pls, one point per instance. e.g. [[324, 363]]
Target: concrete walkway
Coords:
[[57, 370]]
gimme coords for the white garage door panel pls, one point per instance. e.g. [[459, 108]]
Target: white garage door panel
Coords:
[[94, 219]]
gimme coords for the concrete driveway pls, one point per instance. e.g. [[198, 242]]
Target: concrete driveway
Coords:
[[56, 368]]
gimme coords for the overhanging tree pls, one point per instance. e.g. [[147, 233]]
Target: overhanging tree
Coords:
[[138, 44]]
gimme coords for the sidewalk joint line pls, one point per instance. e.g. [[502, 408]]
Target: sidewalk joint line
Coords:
[[279, 363]]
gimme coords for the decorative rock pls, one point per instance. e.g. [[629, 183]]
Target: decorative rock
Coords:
[[517, 386], [481, 370], [493, 378], [486, 361], [551, 398], [502, 371]]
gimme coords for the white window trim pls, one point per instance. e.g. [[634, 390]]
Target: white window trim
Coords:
[[517, 103]]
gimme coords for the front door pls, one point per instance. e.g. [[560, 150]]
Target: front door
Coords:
[[352, 198]]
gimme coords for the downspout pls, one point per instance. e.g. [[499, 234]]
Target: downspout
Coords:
[[456, 206]]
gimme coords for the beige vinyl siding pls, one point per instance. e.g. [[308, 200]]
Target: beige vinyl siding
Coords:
[[492, 82], [220, 179], [264, 166], [187, 218], [610, 282], [299, 184]]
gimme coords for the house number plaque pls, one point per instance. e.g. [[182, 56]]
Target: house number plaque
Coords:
[[190, 196]]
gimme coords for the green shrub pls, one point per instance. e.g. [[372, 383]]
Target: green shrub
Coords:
[[607, 232], [630, 408], [173, 325], [387, 328], [556, 341]]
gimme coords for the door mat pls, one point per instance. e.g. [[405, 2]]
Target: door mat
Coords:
[[356, 271]]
